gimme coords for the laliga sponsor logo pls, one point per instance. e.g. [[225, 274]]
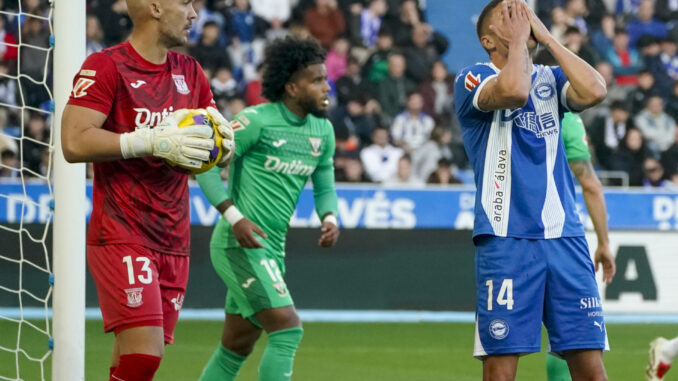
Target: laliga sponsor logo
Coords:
[[295, 167], [178, 301], [146, 118], [499, 329]]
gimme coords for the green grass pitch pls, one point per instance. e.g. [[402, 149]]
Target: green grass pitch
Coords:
[[346, 352]]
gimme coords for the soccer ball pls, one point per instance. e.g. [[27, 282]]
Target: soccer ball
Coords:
[[201, 117]]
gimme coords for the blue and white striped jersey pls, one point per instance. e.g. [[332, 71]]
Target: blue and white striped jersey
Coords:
[[524, 185]]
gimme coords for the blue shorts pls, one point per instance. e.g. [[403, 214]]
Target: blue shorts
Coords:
[[524, 282]]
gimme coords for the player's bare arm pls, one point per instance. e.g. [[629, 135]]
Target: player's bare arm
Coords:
[[243, 228], [329, 231], [587, 86], [510, 29], [592, 190], [80, 126]]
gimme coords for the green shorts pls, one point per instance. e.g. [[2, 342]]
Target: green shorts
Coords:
[[253, 277]]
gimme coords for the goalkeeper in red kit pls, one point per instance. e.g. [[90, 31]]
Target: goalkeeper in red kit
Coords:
[[122, 114]]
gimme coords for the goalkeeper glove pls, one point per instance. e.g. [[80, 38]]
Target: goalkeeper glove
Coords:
[[187, 146], [226, 132]]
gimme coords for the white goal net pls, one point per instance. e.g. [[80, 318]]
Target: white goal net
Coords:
[[27, 151]]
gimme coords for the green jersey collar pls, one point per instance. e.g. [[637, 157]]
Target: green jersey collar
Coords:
[[290, 117]]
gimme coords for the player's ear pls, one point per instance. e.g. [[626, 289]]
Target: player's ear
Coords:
[[155, 8], [291, 88], [488, 43]]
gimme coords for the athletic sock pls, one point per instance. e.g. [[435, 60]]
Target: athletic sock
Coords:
[[669, 351], [223, 366], [136, 367], [276, 363], [556, 369]]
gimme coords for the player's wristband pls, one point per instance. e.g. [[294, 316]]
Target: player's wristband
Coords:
[[233, 215], [331, 218]]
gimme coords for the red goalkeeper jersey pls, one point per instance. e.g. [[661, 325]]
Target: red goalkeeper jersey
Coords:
[[139, 201]]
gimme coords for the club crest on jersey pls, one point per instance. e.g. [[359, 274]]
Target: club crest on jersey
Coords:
[[134, 297], [180, 83], [79, 90], [316, 143], [471, 81]]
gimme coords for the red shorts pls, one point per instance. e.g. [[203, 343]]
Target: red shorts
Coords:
[[138, 286]]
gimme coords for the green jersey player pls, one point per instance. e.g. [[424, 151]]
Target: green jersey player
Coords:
[[279, 146], [579, 158]]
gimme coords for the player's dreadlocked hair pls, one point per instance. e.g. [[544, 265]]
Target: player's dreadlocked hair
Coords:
[[283, 59], [480, 24]]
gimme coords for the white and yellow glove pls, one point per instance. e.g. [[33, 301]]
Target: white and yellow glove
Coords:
[[187, 146], [226, 132]]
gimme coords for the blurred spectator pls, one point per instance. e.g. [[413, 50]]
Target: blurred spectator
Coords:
[[627, 6], [7, 53], [380, 159], [404, 175], [559, 23], [253, 95], [657, 126], [352, 123], [630, 155], [9, 164], [601, 38], [37, 133], [425, 158], [392, 91], [412, 128], [596, 10], [34, 61], [94, 35], [438, 92], [209, 51], [205, 14], [607, 131], [350, 170], [370, 21], [223, 84], [325, 21], [273, 11], [672, 103], [336, 59], [669, 57], [351, 83], [443, 174], [625, 61], [645, 23], [242, 24], [638, 97], [115, 22], [666, 10], [421, 54], [375, 67], [7, 141], [402, 24], [614, 92], [575, 42], [8, 86], [652, 61], [235, 105], [669, 158], [653, 174], [575, 11]]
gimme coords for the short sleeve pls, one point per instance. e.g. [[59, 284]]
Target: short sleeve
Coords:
[[562, 84], [95, 85], [206, 96], [247, 129], [574, 138], [467, 87]]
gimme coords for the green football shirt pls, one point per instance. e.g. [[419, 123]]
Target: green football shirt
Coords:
[[574, 137], [276, 153]]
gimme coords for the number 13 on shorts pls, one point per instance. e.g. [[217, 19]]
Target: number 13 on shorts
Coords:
[[505, 296]]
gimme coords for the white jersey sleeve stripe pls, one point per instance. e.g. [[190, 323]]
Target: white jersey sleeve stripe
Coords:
[[563, 96], [553, 214], [496, 185], [477, 94]]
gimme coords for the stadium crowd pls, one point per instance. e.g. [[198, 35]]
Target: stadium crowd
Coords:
[[392, 95]]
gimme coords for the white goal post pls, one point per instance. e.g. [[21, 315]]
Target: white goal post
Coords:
[[68, 246]]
